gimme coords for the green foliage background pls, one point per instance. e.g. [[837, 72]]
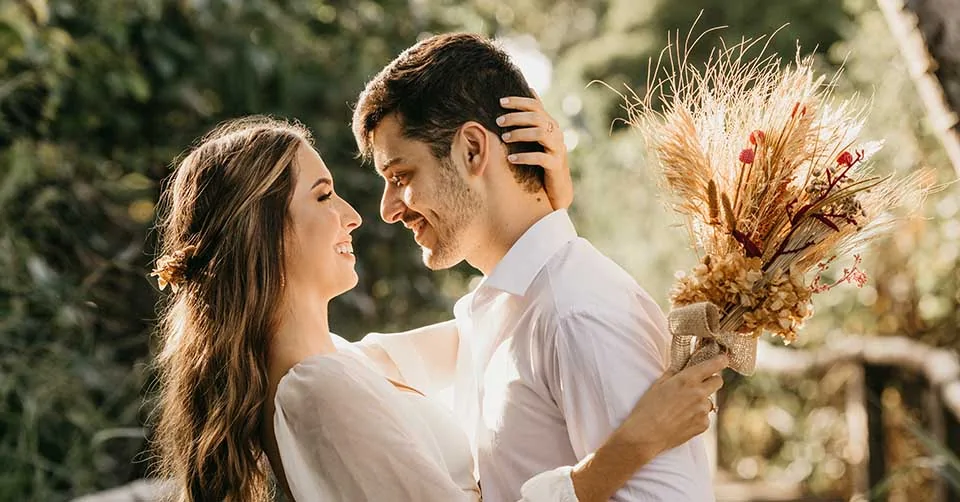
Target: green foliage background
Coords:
[[97, 98]]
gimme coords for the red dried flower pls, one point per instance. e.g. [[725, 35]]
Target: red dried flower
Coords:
[[798, 108], [845, 159], [747, 155], [756, 137]]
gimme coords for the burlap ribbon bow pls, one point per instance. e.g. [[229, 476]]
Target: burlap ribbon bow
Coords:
[[701, 320]]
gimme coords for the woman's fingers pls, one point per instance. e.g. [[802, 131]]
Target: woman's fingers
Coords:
[[522, 119], [521, 103], [530, 134], [532, 124], [541, 159]]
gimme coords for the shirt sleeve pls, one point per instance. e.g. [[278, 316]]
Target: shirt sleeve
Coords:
[[606, 357], [339, 440], [550, 486], [425, 357]]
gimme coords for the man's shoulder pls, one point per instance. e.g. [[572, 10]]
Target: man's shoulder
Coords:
[[592, 300], [579, 277]]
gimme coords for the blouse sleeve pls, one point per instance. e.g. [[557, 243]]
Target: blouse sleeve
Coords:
[[339, 440]]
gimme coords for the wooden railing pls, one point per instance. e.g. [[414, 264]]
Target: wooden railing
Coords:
[[874, 364]]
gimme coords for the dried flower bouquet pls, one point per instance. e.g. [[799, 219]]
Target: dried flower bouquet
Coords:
[[767, 169]]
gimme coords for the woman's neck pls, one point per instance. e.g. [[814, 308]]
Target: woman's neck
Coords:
[[303, 331]]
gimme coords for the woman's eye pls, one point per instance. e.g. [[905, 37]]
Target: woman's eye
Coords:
[[324, 197]]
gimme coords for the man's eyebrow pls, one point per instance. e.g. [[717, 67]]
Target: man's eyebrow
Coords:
[[390, 163], [321, 181]]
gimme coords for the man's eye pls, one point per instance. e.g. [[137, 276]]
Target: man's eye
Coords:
[[396, 180]]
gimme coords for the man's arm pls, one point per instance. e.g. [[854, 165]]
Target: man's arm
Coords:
[[424, 358], [606, 359], [676, 407]]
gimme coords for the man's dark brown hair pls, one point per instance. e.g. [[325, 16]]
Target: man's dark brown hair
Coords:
[[438, 85]]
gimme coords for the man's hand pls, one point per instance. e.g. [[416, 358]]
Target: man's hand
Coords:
[[673, 410]]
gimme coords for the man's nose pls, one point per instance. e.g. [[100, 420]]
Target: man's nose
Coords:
[[391, 204]]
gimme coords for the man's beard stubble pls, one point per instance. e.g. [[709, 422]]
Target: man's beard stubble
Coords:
[[457, 206]]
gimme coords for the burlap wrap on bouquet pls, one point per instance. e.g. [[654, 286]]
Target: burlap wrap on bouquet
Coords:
[[701, 320]]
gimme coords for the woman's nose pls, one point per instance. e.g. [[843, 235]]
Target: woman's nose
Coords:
[[351, 218]]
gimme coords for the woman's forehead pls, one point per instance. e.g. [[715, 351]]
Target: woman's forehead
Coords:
[[310, 163]]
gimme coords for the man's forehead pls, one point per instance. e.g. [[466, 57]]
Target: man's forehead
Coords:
[[385, 139], [391, 147]]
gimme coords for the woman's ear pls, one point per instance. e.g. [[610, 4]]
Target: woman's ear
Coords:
[[472, 145]]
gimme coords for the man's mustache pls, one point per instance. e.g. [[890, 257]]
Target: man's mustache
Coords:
[[409, 219]]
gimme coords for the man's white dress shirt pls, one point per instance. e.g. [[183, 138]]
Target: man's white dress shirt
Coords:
[[556, 347]]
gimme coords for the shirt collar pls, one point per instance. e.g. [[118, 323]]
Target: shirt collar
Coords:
[[517, 269]]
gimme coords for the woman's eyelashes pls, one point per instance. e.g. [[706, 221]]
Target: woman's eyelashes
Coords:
[[325, 196]]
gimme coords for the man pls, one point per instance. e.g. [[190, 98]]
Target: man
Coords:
[[553, 349]]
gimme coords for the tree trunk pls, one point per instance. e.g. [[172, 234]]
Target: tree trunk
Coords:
[[928, 33]]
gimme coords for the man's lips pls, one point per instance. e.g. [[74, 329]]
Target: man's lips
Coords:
[[417, 226]]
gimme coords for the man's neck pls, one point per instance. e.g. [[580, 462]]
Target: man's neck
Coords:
[[506, 222]]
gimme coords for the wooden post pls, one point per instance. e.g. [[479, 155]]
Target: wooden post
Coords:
[[921, 66], [855, 410], [875, 381], [952, 432], [933, 409]]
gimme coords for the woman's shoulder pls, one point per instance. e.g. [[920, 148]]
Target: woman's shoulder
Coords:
[[326, 380]]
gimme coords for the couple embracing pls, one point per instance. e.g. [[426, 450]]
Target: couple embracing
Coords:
[[556, 360]]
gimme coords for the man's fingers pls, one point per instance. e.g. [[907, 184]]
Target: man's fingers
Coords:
[[712, 384], [708, 368]]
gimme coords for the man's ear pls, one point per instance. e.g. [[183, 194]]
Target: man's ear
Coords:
[[473, 147]]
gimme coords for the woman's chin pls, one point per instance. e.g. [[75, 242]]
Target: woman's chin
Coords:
[[349, 283]]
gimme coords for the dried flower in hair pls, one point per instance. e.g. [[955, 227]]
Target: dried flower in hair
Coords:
[[172, 268]]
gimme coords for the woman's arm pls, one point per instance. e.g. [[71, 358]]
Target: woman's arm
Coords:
[[341, 436], [424, 358]]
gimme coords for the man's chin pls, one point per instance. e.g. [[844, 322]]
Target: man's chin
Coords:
[[438, 259]]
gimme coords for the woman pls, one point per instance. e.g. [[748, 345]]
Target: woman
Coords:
[[255, 243]]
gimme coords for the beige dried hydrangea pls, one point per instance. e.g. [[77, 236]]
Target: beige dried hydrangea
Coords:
[[780, 305]]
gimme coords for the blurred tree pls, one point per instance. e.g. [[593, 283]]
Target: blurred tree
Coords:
[[780, 431], [96, 99]]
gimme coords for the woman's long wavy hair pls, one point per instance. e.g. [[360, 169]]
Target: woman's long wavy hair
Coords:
[[228, 204]]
